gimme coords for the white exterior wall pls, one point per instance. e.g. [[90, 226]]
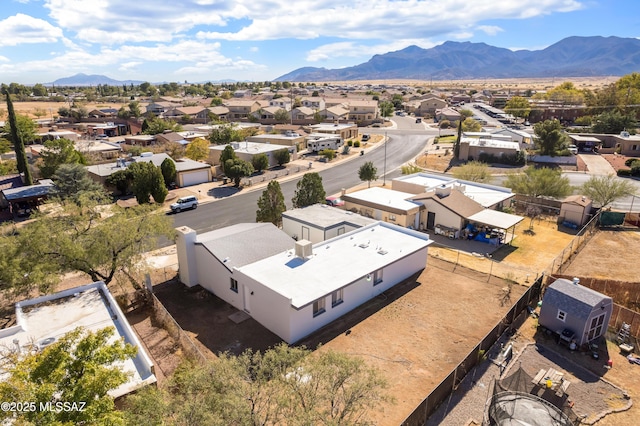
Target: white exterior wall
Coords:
[[444, 216], [302, 231], [215, 277], [185, 248], [303, 323], [574, 213], [269, 308], [339, 230]]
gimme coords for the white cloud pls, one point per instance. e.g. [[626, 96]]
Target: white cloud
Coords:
[[123, 21], [4, 59], [25, 29], [489, 29], [129, 65], [254, 49]]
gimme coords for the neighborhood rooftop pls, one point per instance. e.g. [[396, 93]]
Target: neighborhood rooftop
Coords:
[[43, 320], [335, 263], [324, 216]]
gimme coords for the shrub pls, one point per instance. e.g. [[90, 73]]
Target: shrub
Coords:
[[629, 162], [349, 142], [624, 172], [356, 144]]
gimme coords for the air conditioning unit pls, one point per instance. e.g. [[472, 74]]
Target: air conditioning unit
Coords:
[[304, 249]]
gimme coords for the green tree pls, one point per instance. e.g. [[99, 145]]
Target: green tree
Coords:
[[236, 169], [169, 172], [155, 126], [309, 190], [20, 130], [260, 162], [271, 204], [386, 109], [456, 144], [227, 154], [39, 90], [134, 109], [518, 107], [58, 152], [368, 172], [471, 125], [282, 156], [283, 385], [226, 134], [80, 366], [604, 190], [613, 122], [282, 116], [473, 171], [121, 180], [328, 153], [549, 136], [198, 149], [466, 113], [148, 182], [73, 184], [79, 239], [539, 182]]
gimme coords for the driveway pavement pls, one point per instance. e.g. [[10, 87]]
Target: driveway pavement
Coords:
[[596, 164]]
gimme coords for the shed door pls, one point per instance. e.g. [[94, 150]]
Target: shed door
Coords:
[[595, 328], [431, 218]]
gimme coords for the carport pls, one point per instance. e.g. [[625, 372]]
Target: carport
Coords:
[[494, 225], [24, 198]]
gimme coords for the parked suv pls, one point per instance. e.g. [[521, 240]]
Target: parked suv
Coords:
[[184, 203]]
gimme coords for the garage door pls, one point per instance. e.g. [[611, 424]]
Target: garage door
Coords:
[[194, 178]]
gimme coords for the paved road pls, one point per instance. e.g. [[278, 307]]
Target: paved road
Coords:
[[404, 143]]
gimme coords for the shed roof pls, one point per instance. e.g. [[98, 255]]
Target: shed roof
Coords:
[[575, 299]]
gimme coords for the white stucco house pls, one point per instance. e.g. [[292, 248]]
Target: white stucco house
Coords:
[[294, 288]]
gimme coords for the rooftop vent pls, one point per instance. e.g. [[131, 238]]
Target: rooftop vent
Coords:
[[576, 280]]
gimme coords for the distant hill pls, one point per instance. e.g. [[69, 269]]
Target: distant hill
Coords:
[[570, 57], [91, 80]]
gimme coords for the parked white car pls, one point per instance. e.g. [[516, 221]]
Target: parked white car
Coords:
[[185, 203], [573, 149]]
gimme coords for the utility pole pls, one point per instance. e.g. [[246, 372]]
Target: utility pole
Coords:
[[384, 176]]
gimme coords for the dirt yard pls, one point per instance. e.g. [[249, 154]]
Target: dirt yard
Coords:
[[609, 254]]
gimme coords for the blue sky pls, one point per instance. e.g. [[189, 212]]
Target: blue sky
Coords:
[[210, 40]]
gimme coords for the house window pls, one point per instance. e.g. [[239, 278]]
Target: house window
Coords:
[[562, 315], [318, 307], [595, 328], [336, 298], [234, 285], [377, 277], [392, 217]]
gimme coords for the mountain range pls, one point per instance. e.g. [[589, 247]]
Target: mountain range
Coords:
[[570, 57], [91, 80]]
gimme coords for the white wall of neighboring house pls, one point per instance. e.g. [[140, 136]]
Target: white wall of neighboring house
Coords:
[[443, 217]]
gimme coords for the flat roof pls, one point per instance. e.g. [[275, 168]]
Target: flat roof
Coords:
[[485, 194], [251, 147], [496, 219], [492, 143], [44, 187], [335, 263], [324, 216], [325, 127], [182, 165], [386, 197], [45, 319]]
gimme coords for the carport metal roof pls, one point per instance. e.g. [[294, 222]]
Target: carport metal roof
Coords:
[[496, 219]]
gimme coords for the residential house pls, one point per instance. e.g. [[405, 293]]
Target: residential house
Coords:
[[316, 103], [627, 144], [345, 130], [429, 106], [40, 322], [194, 114], [294, 288], [140, 140], [160, 107], [488, 196], [335, 114], [473, 148], [289, 139], [386, 205], [22, 198], [241, 109], [189, 172], [447, 114], [363, 111], [103, 113], [222, 112], [284, 103], [247, 150], [587, 143], [320, 222], [575, 312], [576, 209], [525, 139], [303, 115]]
